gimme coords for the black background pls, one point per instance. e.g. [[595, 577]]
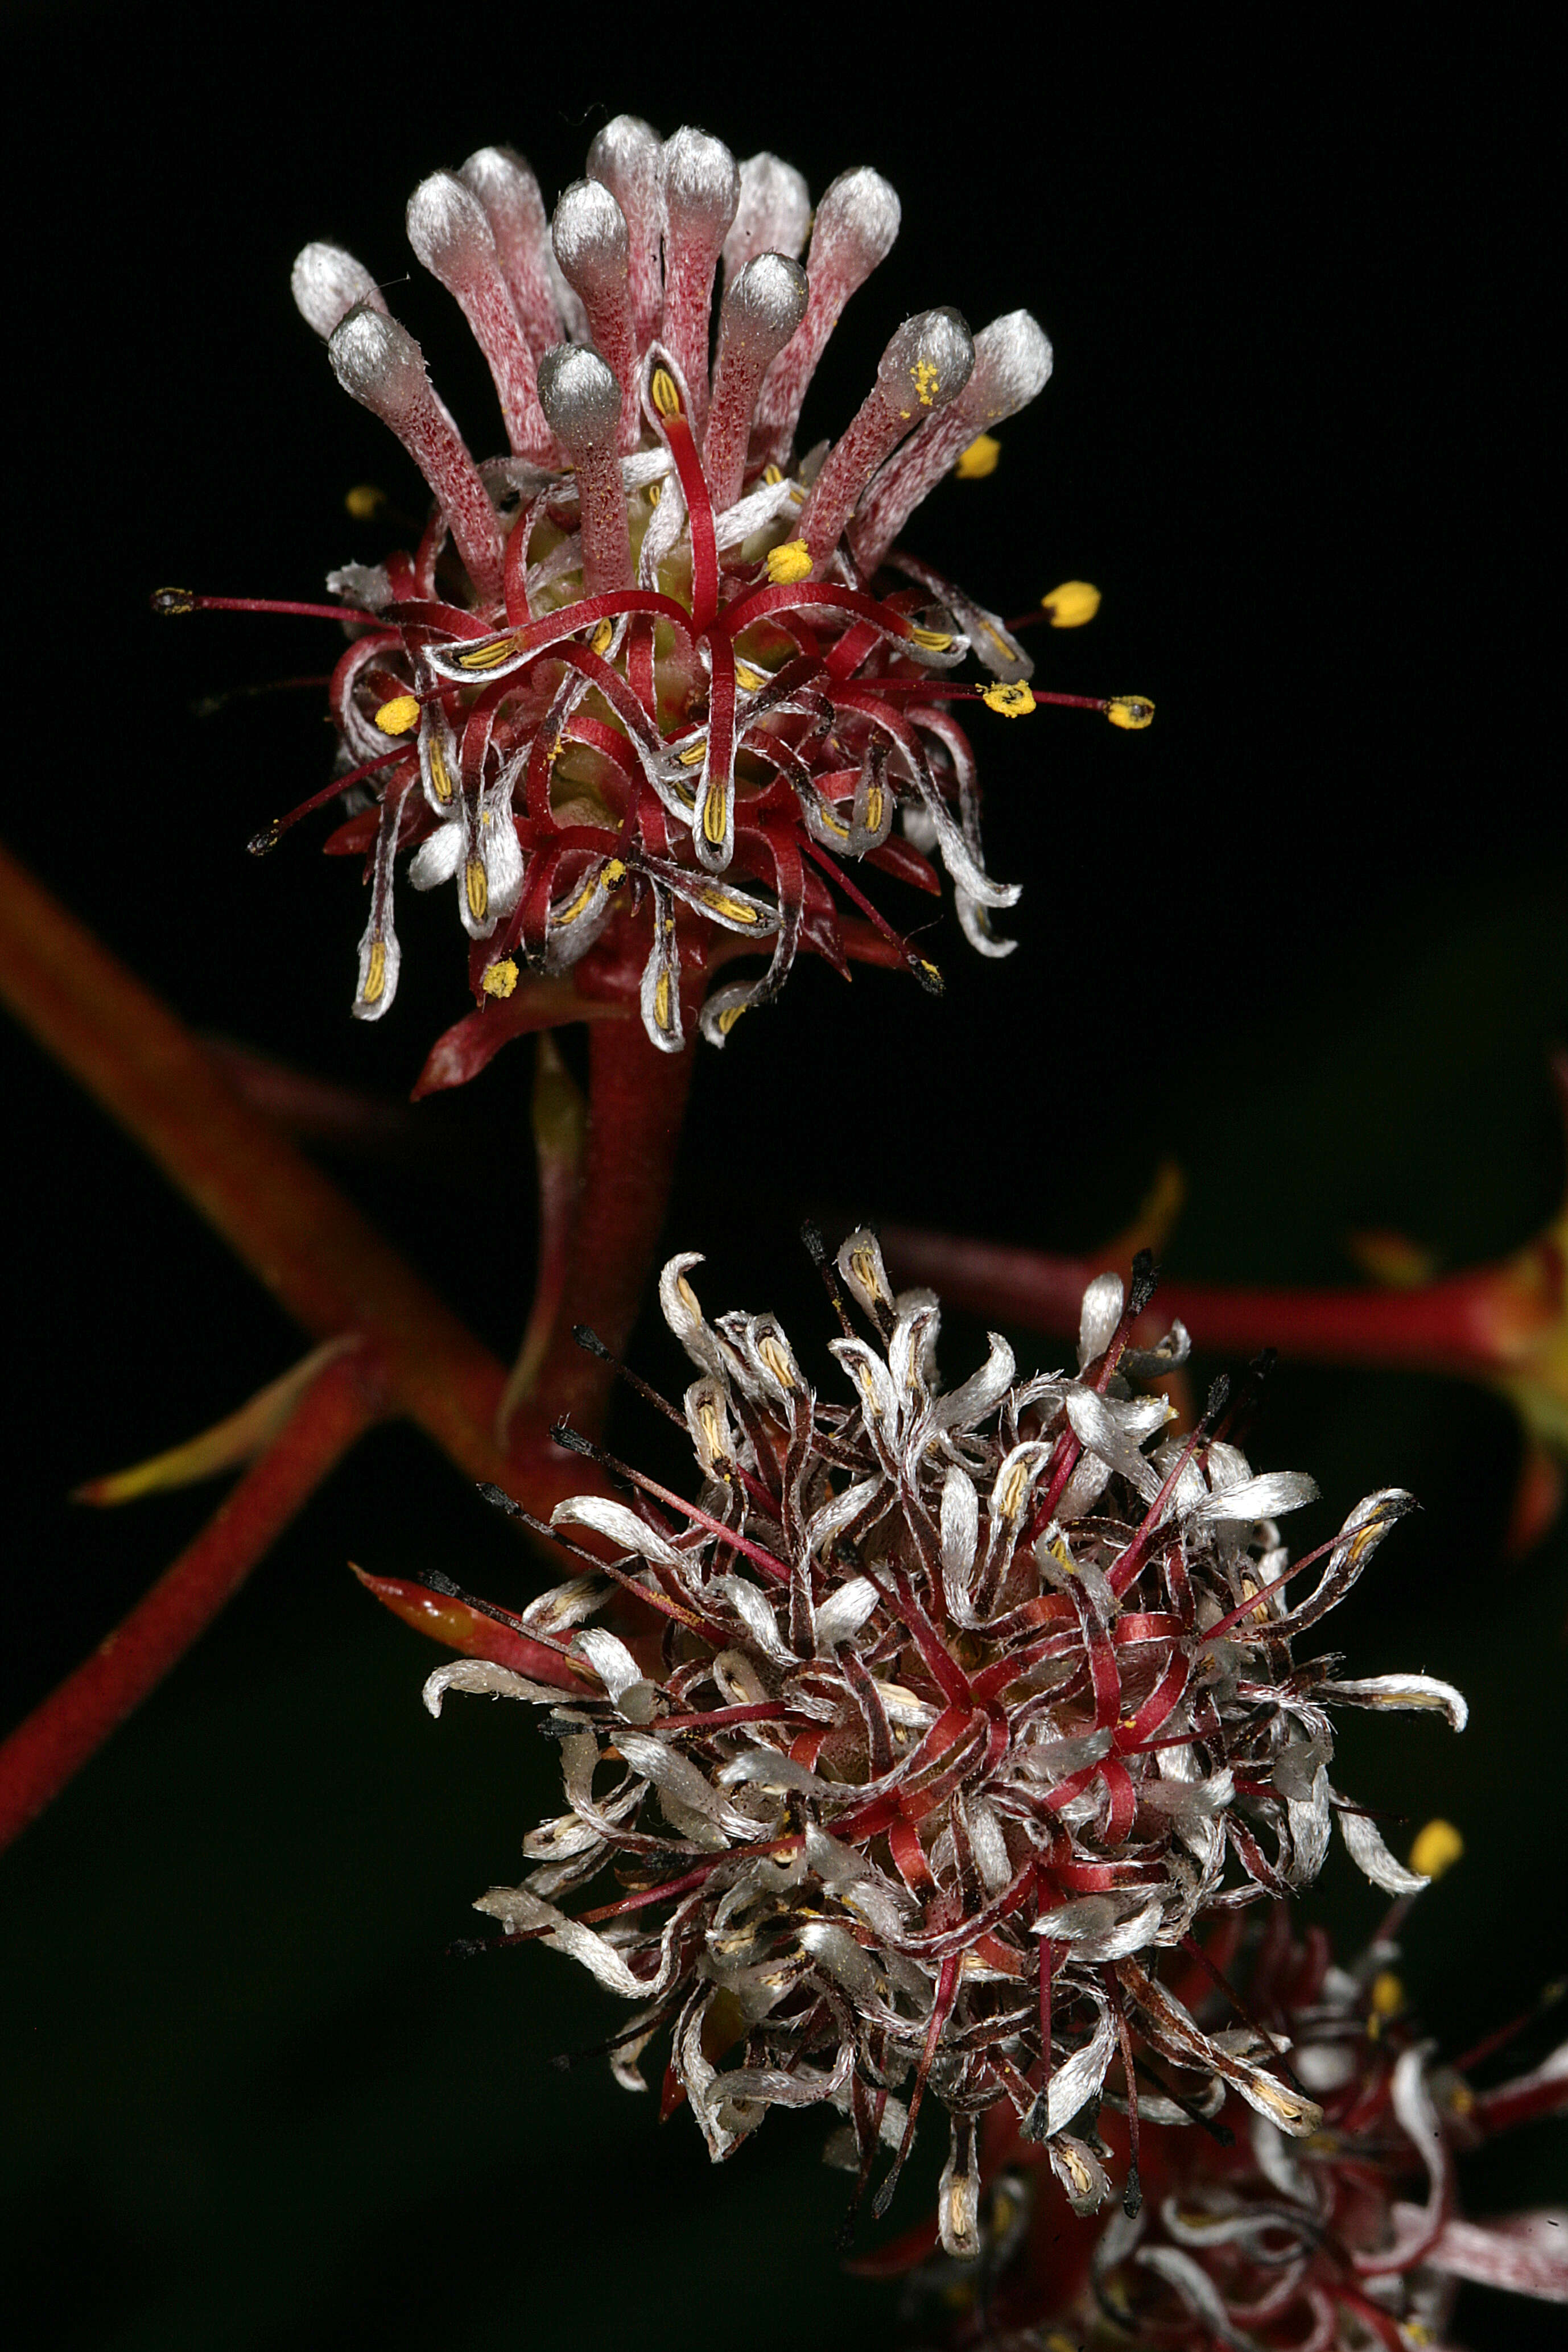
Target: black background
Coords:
[[1306, 934]]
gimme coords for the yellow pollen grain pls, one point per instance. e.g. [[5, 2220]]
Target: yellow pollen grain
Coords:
[[499, 979], [1437, 1848], [476, 884], [614, 874], [375, 973], [665, 393], [398, 716], [364, 500], [979, 460], [603, 637], [1386, 1995], [1130, 710], [925, 378], [1013, 700], [1071, 604], [788, 563]]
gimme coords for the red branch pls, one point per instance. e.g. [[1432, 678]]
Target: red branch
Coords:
[[54, 1742]]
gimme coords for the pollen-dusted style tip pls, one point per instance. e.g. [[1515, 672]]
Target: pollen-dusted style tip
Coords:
[[627, 158], [771, 216], [327, 283], [927, 363], [593, 247], [379, 364], [1011, 367], [854, 229], [451, 234], [507, 188], [764, 305], [580, 397], [923, 368], [701, 191], [582, 401]]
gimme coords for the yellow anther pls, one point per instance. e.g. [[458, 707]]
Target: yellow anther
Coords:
[[868, 1274], [375, 973], [477, 883], [772, 476], [1461, 2098], [771, 1354], [440, 774], [398, 716], [687, 1297], [570, 914], [737, 909], [979, 460], [716, 813], [364, 500], [1437, 1848], [745, 676], [831, 823], [1013, 700], [662, 1002], [488, 655], [603, 637], [1387, 1994], [694, 753], [499, 979], [788, 563], [655, 492], [1071, 604], [1129, 710], [874, 805], [935, 641], [665, 393]]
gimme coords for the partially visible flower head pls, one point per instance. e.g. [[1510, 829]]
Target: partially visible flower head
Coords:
[[649, 678], [968, 1702], [1348, 2241]]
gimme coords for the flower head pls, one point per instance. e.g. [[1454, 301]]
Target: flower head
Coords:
[[650, 678], [965, 1705], [1347, 2241]]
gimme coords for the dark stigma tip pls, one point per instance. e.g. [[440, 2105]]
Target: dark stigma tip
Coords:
[[1145, 1280]]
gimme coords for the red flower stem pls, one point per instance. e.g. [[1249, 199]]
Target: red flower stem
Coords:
[[637, 1100], [1462, 1324], [52, 1744]]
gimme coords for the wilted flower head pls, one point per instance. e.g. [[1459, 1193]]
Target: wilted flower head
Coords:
[[1349, 2240], [653, 659], [966, 1704]]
